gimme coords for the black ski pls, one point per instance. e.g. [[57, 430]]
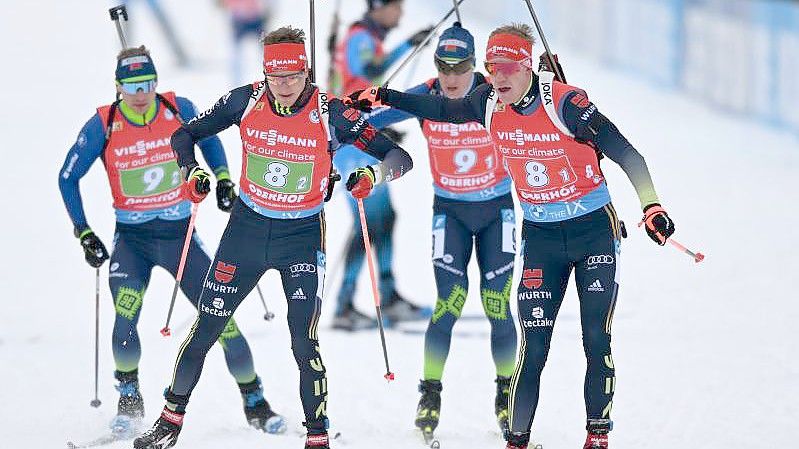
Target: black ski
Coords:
[[100, 441]]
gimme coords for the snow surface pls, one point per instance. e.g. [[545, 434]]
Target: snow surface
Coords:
[[706, 354]]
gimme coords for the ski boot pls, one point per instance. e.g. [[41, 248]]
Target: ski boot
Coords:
[[518, 440], [353, 320], [597, 433], [317, 441], [163, 434], [130, 409], [398, 309], [501, 404], [257, 410], [429, 408]]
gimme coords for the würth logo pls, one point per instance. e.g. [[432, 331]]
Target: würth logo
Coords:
[[224, 272], [533, 278]]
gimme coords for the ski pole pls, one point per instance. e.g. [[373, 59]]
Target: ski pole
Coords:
[[331, 44], [697, 256], [117, 12], [457, 11], [267, 314], [165, 331], [419, 47], [552, 63], [96, 401], [389, 376], [313, 41]]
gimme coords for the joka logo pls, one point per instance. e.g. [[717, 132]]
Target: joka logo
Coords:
[[224, 272], [533, 277], [299, 294], [596, 286]]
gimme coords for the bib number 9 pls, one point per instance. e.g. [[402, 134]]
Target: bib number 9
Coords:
[[152, 180], [465, 160]]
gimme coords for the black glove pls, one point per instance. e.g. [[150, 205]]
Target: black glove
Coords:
[[544, 64], [420, 36], [93, 248], [394, 135], [659, 226], [225, 194], [366, 99]]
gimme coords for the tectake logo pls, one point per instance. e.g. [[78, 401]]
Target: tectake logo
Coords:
[[538, 312], [218, 308]]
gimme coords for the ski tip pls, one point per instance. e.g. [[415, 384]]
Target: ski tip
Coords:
[[166, 332], [389, 376], [699, 257]]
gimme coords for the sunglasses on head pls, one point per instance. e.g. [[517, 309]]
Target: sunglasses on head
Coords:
[[289, 80], [454, 69], [505, 68], [139, 86]]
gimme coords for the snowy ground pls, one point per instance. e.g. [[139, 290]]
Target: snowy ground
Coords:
[[706, 354]]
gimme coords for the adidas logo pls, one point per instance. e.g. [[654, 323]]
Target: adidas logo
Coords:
[[596, 286], [299, 294]]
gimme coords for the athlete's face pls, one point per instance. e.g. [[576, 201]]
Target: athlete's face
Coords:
[[287, 86], [455, 85], [139, 101], [389, 15], [511, 79]]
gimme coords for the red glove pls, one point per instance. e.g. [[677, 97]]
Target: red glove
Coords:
[[659, 226], [365, 100], [360, 182], [198, 184]]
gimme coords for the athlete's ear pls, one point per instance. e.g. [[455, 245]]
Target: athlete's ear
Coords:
[[119, 87]]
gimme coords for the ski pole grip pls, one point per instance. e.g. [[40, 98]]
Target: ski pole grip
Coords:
[[118, 11]]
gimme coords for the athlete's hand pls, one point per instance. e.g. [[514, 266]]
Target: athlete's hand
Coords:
[[365, 100], [93, 248], [420, 36], [659, 226], [225, 194], [198, 184], [544, 64], [361, 181]]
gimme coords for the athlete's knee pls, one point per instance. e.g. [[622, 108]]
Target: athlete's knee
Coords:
[[596, 342], [128, 302], [496, 304], [230, 334], [450, 306]]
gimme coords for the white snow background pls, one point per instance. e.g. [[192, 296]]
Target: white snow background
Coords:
[[706, 354]]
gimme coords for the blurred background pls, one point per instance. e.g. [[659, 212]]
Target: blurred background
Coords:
[[706, 354]]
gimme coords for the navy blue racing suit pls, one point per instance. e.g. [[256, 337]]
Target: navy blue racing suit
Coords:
[[257, 239]]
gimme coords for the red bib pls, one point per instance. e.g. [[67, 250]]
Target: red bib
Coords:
[[142, 168], [345, 82], [285, 160], [545, 161]]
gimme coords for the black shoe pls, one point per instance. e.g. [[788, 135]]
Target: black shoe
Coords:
[[317, 441], [429, 408], [130, 409], [353, 320], [518, 440], [501, 404], [397, 308], [163, 434], [257, 410]]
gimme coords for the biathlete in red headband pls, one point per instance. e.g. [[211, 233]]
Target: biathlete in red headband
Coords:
[[549, 136], [289, 130]]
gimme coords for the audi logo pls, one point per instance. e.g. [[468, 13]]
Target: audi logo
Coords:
[[605, 259], [302, 268]]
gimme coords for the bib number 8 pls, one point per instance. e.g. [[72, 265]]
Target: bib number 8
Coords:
[[276, 174], [152, 178], [536, 174]]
